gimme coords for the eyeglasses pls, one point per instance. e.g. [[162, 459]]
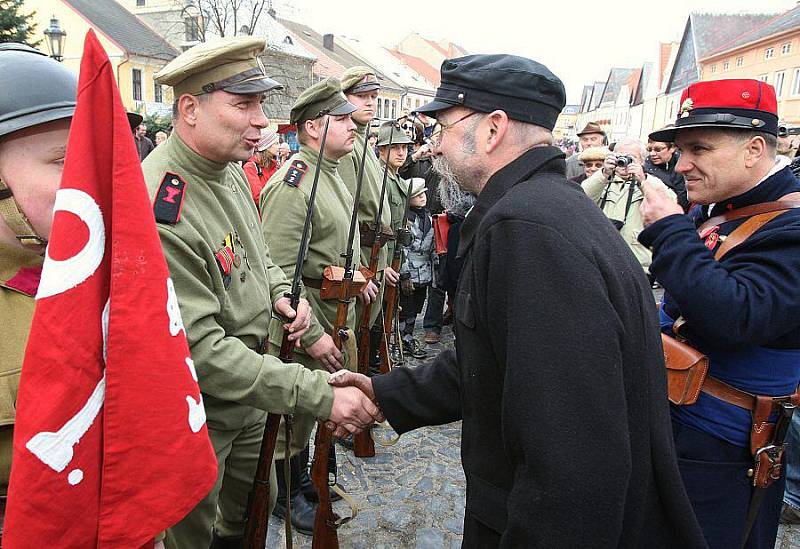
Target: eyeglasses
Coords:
[[657, 149], [438, 130]]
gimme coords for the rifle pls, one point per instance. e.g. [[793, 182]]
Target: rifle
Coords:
[[390, 296], [343, 288], [363, 445], [257, 513]]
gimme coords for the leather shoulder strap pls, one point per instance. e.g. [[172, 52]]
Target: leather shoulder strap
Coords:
[[745, 231], [786, 202]]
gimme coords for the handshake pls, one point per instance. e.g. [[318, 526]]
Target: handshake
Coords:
[[354, 407]]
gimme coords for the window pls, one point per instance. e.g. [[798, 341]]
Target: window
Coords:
[[419, 103], [140, 2], [726, 65], [796, 82], [191, 27], [394, 108], [779, 78], [786, 48], [763, 77], [770, 53], [137, 84], [158, 93], [713, 69], [379, 114], [739, 61]]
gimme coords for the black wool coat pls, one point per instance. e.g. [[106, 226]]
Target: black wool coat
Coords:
[[557, 375]]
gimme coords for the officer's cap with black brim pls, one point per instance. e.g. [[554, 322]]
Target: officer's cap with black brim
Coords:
[[359, 79], [230, 65], [524, 89], [737, 104], [322, 98]]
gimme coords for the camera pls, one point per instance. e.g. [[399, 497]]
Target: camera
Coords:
[[624, 161]]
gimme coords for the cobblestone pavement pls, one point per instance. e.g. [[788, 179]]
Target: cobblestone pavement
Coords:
[[411, 495]]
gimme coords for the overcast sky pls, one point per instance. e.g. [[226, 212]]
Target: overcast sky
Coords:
[[579, 40]]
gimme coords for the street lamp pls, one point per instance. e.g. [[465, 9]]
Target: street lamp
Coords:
[[55, 39]]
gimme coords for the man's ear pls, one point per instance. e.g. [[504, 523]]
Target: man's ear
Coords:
[[754, 151], [188, 106], [496, 129]]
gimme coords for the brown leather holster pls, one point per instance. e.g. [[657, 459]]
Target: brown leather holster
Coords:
[[332, 277], [367, 234]]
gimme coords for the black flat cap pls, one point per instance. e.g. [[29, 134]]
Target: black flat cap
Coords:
[[526, 90]]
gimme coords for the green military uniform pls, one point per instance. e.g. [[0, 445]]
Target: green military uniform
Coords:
[[615, 205], [226, 284], [396, 187], [356, 80], [19, 277], [284, 203]]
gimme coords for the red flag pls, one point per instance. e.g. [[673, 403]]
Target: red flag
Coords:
[[110, 443]]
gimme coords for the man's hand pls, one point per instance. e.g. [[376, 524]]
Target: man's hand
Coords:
[[657, 203], [324, 351], [609, 165], [369, 293], [391, 276], [635, 169], [302, 317], [352, 411], [423, 152], [346, 378]]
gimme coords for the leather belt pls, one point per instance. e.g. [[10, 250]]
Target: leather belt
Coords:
[[737, 397], [315, 283]]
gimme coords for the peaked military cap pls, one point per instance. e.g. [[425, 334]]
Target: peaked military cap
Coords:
[[742, 104], [524, 89], [230, 64], [322, 98], [359, 79], [397, 134]]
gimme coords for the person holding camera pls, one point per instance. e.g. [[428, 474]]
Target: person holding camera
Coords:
[[617, 189]]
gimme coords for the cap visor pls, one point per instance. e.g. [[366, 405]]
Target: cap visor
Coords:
[[365, 87], [260, 84], [345, 108], [433, 107]]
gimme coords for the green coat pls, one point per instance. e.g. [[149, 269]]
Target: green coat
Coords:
[[370, 191], [17, 290], [397, 189], [226, 321], [283, 211]]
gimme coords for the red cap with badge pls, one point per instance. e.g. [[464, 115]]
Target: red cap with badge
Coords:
[[736, 104]]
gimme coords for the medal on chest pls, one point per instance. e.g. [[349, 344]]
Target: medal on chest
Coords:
[[710, 237]]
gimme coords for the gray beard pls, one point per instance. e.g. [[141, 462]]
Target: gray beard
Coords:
[[454, 199]]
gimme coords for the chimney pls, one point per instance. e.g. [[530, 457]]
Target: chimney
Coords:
[[327, 42]]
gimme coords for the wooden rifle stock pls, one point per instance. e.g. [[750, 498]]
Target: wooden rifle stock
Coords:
[[390, 297], [363, 445], [325, 536], [257, 513]]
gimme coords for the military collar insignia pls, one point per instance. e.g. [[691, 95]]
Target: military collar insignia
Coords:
[[686, 106], [169, 199], [296, 172]]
